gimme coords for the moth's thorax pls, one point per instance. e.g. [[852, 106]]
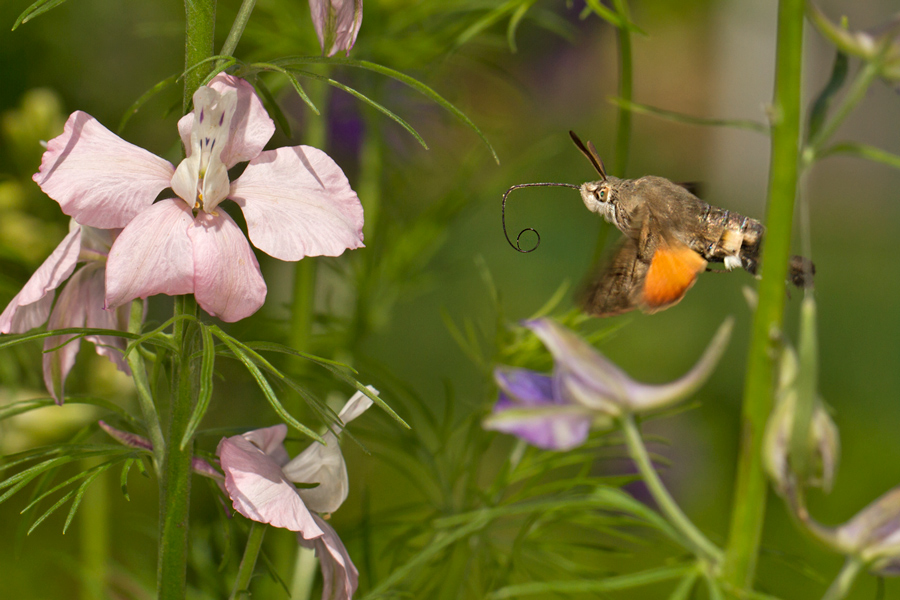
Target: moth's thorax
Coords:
[[600, 197]]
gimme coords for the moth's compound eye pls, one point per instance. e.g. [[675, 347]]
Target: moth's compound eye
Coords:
[[601, 195]]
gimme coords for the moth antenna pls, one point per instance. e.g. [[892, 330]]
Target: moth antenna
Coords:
[[591, 153], [516, 245]]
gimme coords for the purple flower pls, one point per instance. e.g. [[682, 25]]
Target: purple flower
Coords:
[[80, 304], [586, 390], [260, 477], [296, 201], [337, 23]]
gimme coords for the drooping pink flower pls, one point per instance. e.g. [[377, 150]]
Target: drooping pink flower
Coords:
[[260, 477], [296, 201], [337, 23], [80, 304]]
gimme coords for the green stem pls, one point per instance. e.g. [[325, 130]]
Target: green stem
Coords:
[[700, 545], [749, 506], [842, 584], [94, 536], [237, 28], [248, 562], [852, 98], [175, 483], [304, 574], [200, 27], [142, 386], [626, 90]]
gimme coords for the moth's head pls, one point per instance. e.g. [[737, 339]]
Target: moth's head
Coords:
[[598, 197]]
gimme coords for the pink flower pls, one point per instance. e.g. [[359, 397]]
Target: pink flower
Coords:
[[80, 304], [337, 23], [260, 476], [296, 201]]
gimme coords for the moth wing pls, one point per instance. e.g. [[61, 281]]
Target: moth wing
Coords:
[[617, 289], [673, 270]]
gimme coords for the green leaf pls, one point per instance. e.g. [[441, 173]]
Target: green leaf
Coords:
[[123, 478], [145, 97], [402, 78], [514, 22], [36, 9], [677, 117], [440, 541], [207, 367], [295, 83], [59, 503], [262, 382], [862, 151], [819, 109], [79, 493], [612, 17], [369, 101], [593, 586], [271, 106], [686, 586]]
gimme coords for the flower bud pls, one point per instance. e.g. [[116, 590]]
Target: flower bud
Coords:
[[823, 439]]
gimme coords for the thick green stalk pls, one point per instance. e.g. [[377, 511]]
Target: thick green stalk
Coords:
[[700, 545], [751, 486], [200, 27], [175, 483], [248, 562]]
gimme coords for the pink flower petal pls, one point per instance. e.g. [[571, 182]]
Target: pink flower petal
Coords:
[[270, 440], [31, 306], [152, 255], [324, 464], [251, 126], [337, 23], [80, 304], [339, 575], [298, 203], [97, 177], [260, 492], [227, 281]]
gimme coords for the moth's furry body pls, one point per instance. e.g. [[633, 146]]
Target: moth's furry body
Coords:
[[670, 236], [716, 234]]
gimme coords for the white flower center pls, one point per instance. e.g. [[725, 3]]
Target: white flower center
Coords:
[[201, 179]]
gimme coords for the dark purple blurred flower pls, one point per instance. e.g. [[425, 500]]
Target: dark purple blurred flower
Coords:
[[586, 390]]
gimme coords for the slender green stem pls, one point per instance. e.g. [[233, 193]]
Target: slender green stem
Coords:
[[842, 584], [304, 574], [94, 536], [626, 90], [142, 386], [237, 28], [749, 507], [200, 28], [701, 546], [851, 99], [248, 562]]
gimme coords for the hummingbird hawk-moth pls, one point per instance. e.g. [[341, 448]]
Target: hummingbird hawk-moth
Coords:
[[670, 236]]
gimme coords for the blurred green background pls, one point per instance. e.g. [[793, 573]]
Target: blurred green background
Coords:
[[436, 230]]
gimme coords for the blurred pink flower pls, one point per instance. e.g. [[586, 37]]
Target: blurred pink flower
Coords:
[[80, 304], [296, 201], [260, 477], [337, 23]]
